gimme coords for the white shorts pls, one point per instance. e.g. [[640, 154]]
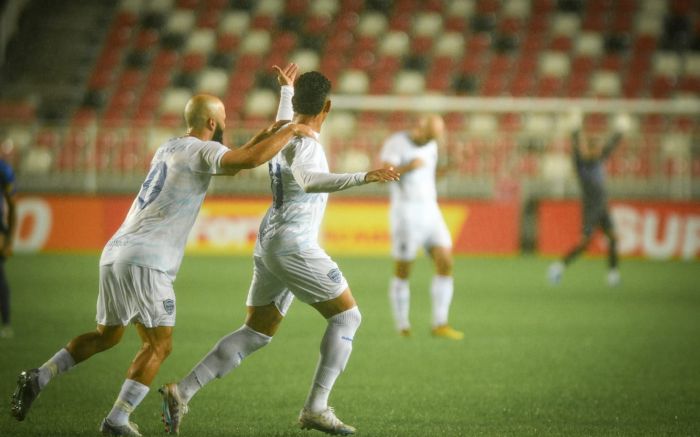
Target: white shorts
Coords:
[[311, 275], [415, 226], [132, 293]]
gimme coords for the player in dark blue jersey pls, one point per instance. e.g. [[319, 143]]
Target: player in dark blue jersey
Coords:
[[7, 231], [589, 163]]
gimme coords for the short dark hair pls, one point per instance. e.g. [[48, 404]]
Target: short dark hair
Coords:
[[310, 92]]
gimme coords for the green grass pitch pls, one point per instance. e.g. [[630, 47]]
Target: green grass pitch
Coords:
[[579, 359]]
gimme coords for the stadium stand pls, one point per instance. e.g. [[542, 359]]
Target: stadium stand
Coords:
[[131, 64]]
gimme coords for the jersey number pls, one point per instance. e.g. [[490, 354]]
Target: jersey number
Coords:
[[153, 184], [276, 184]]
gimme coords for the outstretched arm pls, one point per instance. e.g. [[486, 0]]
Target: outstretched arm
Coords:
[[319, 182], [611, 145]]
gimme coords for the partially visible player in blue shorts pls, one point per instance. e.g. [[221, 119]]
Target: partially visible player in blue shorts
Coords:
[[7, 231], [589, 161]]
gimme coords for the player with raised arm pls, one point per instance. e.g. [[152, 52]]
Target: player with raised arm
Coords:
[[289, 262], [139, 263], [589, 158], [416, 221]]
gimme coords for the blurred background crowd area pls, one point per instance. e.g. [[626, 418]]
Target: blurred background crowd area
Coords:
[[91, 88]]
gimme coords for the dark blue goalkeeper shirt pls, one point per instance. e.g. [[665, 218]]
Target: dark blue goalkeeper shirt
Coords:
[[591, 173], [7, 180]]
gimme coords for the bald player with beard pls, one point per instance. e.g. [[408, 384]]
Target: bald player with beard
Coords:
[[416, 221], [139, 263]]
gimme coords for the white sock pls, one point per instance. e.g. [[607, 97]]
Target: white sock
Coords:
[[224, 357], [400, 298], [61, 362], [441, 291], [130, 396], [335, 352]]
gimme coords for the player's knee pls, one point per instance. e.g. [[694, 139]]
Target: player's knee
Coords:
[[165, 348], [444, 266], [351, 318], [108, 338]]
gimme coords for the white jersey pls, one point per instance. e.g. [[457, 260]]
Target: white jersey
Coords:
[[300, 183], [156, 227], [418, 185]]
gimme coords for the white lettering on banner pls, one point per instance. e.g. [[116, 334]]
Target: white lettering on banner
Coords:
[[37, 214], [691, 242], [626, 221], [223, 231], [669, 244], [656, 235]]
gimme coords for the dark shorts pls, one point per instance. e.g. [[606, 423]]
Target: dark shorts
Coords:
[[594, 218]]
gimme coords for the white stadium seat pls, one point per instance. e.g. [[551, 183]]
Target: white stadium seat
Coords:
[[256, 41], [554, 64], [342, 124], [565, 24], [353, 82], [589, 44], [394, 43], [162, 6], [175, 100], [213, 81], [269, 7], [649, 24], [461, 8], [409, 82], [427, 24], [181, 21], [483, 124], [234, 22], [371, 24], [450, 44], [201, 41], [692, 64], [667, 64], [605, 83], [261, 103], [324, 7], [539, 124], [516, 8], [306, 59]]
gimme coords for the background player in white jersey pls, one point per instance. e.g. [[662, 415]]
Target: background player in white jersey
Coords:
[[139, 263], [416, 221], [289, 262]]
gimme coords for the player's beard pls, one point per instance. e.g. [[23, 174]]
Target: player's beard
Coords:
[[218, 134]]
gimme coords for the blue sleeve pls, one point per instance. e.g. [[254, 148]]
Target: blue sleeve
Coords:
[[7, 176]]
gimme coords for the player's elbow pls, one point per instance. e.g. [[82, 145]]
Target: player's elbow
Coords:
[[311, 188]]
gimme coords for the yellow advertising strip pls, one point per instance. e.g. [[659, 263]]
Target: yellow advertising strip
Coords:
[[349, 227]]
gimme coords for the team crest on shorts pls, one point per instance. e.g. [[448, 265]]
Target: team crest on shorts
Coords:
[[169, 306], [335, 275]]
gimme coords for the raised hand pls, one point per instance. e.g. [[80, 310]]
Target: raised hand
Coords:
[[287, 75], [382, 175]]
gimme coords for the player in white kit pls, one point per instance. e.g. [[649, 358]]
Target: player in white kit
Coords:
[[289, 263], [416, 221], [140, 262]]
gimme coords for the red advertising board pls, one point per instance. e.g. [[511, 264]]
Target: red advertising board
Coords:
[[230, 225], [657, 230]]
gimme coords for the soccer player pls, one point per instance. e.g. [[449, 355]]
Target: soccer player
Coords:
[[8, 221], [589, 161], [289, 262], [139, 263], [416, 221]]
